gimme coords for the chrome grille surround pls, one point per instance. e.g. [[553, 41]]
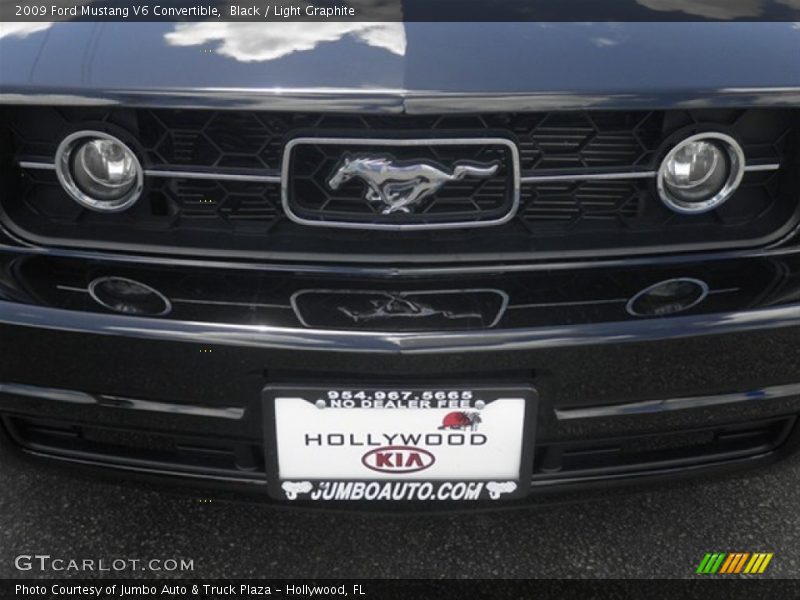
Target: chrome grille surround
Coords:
[[509, 176]]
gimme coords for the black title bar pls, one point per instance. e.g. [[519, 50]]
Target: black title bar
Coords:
[[734, 588], [399, 10]]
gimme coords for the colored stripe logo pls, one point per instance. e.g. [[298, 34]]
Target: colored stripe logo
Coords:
[[734, 563]]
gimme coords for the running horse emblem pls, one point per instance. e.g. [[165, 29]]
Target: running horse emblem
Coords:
[[399, 187]]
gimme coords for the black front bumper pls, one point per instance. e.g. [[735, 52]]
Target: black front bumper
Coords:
[[621, 397]]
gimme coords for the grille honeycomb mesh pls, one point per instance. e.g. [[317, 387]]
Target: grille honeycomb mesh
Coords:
[[575, 215]]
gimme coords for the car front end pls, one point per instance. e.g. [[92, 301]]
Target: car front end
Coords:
[[400, 261]]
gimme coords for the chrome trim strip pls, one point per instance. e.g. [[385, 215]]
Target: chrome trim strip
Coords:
[[588, 176], [212, 175], [276, 178], [406, 343], [75, 397], [623, 175], [515, 181], [177, 174], [507, 306], [44, 166], [660, 406], [576, 303], [765, 167], [224, 303]]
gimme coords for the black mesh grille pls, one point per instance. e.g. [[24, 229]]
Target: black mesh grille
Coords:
[[230, 217], [549, 140], [234, 204], [554, 208], [170, 205], [203, 138], [554, 204]]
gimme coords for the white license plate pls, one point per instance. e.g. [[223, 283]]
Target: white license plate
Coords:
[[398, 444]]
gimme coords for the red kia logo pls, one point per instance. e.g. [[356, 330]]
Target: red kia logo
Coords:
[[398, 459]]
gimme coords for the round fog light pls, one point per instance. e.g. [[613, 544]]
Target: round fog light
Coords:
[[668, 297], [129, 297], [700, 173], [99, 171]]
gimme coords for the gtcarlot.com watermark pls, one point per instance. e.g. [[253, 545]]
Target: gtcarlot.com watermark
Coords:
[[48, 563]]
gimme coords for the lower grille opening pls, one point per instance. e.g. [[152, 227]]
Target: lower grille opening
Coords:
[[599, 459], [141, 450], [555, 463]]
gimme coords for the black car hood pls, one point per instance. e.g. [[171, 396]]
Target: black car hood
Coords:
[[404, 66]]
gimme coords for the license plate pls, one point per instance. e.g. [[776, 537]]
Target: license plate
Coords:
[[399, 444]]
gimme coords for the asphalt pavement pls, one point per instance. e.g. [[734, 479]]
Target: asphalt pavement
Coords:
[[661, 531]]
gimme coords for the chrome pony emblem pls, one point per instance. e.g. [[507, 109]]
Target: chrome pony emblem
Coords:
[[395, 305], [401, 186], [400, 310]]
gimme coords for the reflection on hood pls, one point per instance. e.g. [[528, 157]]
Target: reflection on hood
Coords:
[[716, 9], [251, 42], [21, 30]]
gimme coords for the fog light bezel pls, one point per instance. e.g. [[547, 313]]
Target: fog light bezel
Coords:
[[736, 165], [702, 287], [92, 290], [64, 172]]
